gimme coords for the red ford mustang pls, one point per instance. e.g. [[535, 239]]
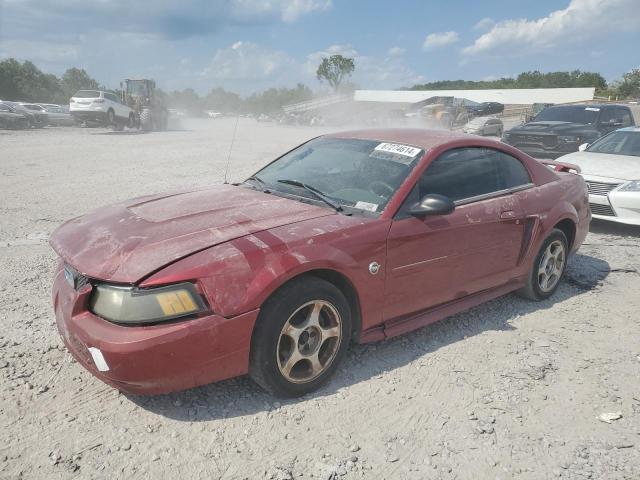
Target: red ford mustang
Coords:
[[355, 236]]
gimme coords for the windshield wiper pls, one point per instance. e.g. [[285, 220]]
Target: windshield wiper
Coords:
[[258, 180], [314, 191]]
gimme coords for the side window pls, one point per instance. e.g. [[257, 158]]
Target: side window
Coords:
[[111, 96], [607, 115], [464, 173], [461, 173], [514, 173], [624, 116]]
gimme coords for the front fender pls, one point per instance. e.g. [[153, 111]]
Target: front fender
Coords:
[[238, 276]]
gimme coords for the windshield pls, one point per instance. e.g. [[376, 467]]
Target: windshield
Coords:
[[359, 173], [618, 143], [87, 94], [573, 114], [137, 89]]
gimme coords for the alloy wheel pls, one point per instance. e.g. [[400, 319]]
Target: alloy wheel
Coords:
[[551, 266], [309, 341]]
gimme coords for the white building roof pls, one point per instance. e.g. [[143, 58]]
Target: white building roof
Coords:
[[507, 96]]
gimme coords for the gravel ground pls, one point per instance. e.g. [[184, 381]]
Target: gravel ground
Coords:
[[510, 389]]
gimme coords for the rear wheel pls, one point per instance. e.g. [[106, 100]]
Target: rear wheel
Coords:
[[548, 267], [301, 336]]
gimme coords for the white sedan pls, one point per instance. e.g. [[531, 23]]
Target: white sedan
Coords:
[[611, 168]]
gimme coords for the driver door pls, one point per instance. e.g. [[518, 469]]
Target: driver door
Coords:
[[436, 259]]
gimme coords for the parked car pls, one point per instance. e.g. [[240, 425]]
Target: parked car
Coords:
[[11, 118], [611, 168], [486, 108], [560, 129], [484, 126], [104, 108], [353, 236], [36, 117], [58, 115]]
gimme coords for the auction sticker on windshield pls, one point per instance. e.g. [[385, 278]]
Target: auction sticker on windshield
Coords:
[[395, 152], [371, 207], [405, 150]]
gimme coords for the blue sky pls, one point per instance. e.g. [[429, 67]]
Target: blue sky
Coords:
[[250, 45]]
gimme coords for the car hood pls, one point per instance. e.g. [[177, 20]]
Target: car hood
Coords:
[[550, 127], [126, 242], [614, 167]]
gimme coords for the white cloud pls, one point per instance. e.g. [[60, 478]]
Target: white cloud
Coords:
[[581, 21], [440, 39], [396, 51], [293, 9], [484, 24], [248, 63], [168, 18]]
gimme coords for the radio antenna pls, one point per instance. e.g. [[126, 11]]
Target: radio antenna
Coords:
[[233, 139]]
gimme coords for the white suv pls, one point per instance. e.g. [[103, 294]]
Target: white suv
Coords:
[[101, 107]]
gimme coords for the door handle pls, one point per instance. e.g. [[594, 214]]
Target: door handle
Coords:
[[507, 215]]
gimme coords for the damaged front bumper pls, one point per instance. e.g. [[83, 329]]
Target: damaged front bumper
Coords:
[[152, 359]]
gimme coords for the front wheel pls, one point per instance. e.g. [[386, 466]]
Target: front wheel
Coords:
[[301, 336], [548, 267], [146, 122], [111, 117]]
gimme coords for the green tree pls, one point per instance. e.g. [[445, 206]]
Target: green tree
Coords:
[[532, 79], [629, 86], [335, 69], [220, 100], [75, 79], [25, 82], [273, 99]]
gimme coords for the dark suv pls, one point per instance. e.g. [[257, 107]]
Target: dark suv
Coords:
[[486, 108], [561, 129]]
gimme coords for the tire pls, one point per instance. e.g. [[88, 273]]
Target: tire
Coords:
[[111, 117], [146, 120], [535, 289], [286, 337]]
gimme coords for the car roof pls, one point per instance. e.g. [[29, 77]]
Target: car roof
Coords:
[[629, 129], [418, 137]]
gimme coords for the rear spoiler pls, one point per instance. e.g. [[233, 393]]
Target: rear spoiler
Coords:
[[561, 166]]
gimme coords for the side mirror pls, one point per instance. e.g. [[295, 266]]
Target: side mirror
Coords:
[[583, 147], [432, 204]]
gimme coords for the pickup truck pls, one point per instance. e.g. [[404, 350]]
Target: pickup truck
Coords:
[[561, 129]]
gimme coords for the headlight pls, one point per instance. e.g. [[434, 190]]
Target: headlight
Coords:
[[632, 186], [568, 139], [134, 305]]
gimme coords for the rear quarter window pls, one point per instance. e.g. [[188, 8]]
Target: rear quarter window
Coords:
[[514, 173]]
